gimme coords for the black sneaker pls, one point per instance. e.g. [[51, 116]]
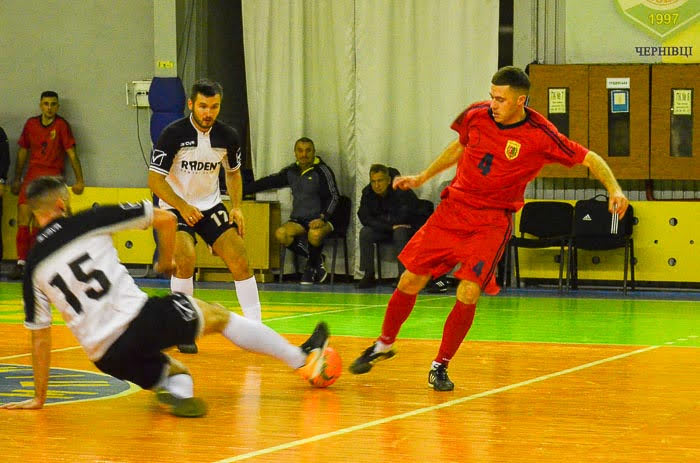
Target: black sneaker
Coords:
[[192, 407], [364, 362], [321, 272], [314, 348], [17, 273], [438, 379], [308, 277], [188, 348], [438, 286], [318, 339], [367, 281]]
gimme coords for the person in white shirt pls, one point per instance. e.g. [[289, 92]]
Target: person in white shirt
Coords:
[[74, 266], [184, 175]]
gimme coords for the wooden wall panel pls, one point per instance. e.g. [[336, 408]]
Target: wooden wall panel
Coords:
[[636, 165], [574, 77], [665, 78]]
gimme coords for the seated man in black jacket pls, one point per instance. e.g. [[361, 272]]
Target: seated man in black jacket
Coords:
[[314, 200], [387, 215]]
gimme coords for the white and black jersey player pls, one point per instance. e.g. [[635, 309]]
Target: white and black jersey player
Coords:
[[74, 266], [184, 175]]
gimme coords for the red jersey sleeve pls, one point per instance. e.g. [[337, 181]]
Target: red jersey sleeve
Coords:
[[461, 123], [558, 148]]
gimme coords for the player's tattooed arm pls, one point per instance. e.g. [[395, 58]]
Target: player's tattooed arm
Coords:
[[601, 170]]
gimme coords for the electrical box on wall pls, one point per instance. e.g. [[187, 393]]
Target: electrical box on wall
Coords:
[[137, 93]]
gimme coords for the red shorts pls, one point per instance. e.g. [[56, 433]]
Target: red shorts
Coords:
[[459, 234], [32, 173]]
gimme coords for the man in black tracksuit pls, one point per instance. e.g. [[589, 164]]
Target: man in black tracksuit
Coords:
[[314, 200]]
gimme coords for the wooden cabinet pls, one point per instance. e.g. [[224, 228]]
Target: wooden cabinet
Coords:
[[675, 125], [261, 221], [560, 93], [623, 123]]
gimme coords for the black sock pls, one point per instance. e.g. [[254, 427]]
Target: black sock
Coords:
[[299, 248], [314, 255]]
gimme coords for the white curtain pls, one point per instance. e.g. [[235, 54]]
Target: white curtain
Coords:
[[368, 80]]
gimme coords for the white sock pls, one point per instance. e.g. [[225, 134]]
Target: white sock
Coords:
[[181, 386], [248, 298], [256, 337], [380, 347], [435, 364], [182, 285]]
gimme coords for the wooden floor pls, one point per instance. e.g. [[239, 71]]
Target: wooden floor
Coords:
[[514, 402]]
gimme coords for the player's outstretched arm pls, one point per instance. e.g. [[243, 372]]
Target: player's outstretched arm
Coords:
[[600, 169], [447, 159], [41, 361]]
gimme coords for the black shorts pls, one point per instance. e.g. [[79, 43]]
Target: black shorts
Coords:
[[210, 227], [163, 322]]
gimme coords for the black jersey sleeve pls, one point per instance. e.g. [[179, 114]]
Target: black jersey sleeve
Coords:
[[165, 149], [234, 149]]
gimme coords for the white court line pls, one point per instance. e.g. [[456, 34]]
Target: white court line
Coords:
[[322, 312], [419, 411], [29, 354], [348, 308]]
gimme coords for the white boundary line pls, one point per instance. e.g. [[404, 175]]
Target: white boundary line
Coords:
[[322, 312], [419, 411], [344, 308], [29, 354]]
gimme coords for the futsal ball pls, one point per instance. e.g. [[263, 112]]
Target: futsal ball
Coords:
[[331, 368]]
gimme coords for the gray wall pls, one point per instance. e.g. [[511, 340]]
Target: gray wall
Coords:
[[86, 50]]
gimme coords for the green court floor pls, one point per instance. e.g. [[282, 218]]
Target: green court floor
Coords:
[[531, 316]]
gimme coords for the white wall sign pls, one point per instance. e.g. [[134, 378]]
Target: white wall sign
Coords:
[[682, 101], [557, 101], [617, 82]]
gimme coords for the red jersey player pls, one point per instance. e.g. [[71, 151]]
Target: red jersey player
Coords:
[[45, 141], [502, 145]]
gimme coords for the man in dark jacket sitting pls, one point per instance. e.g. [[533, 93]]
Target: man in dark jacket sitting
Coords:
[[314, 200], [387, 215]]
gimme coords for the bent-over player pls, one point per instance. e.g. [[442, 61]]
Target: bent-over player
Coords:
[[75, 266]]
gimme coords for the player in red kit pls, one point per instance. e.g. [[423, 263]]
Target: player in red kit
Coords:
[[502, 145], [45, 141]]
